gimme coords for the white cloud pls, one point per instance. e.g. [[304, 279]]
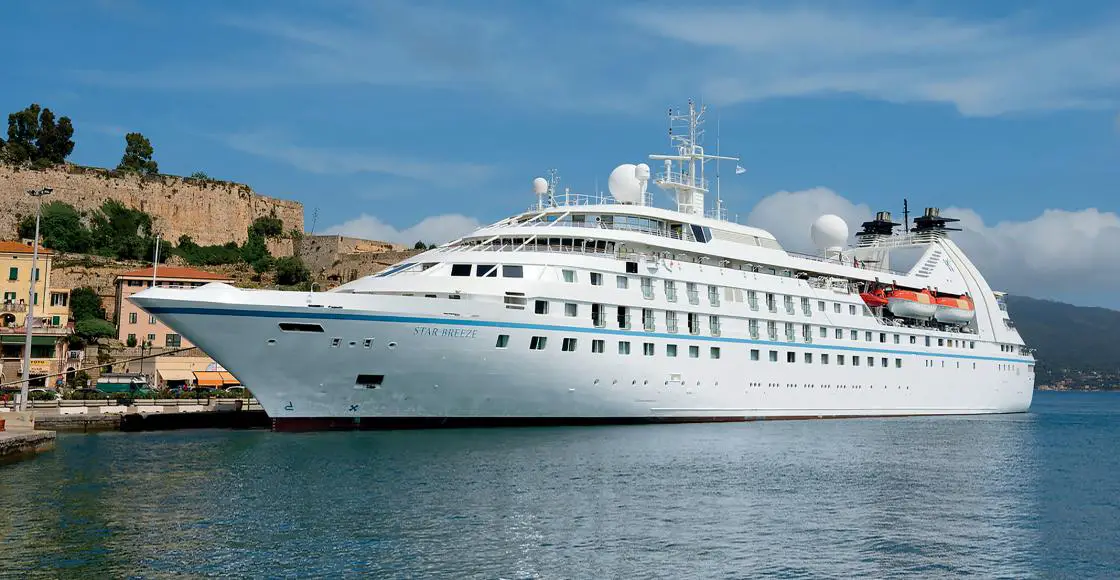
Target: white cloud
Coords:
[[346, 161], [433, 229], [1059, 254], [789, 215]]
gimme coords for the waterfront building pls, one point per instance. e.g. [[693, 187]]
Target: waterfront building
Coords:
[[51, 326], [136, 327]]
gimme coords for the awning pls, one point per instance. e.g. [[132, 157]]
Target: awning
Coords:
[[35, 340], [215, 379], [175, 375]]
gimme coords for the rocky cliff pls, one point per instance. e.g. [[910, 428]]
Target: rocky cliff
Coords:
[[210, 212]]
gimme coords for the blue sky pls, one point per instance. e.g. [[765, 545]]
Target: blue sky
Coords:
[[420, 119]]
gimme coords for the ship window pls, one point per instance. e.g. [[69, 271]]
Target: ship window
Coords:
[[569, 345], [367, 343], [824, 358], [693, 351], [460, 269], [597, 346], [820, 305], [537, 342], [300, 327], [335, 342], [623, 282], [647, 348], [754, 354], [870, 361], [623, 317], [596, 279], [971, 344], [839, 334], [927, 341], [836, 307], [852, 309], [503, 341], [840, 359], [897, 338], [941, 342], [623, 347], [569, 276], [855, 361], [571, 309], [808, 358], [867, 336], [823, 332], [631, 267], [913, 339], [513, 272], [773, 356], [883, 337], [883, 362], [515, 300], [714, 352], [898, 363], [855, 335], [486, 271], [369, 381], [791, 357], [671, 350], [541, 307]]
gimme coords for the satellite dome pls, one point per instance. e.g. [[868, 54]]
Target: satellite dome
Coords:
[[540, 186], [641, 171], [829, 232], [624, 185]]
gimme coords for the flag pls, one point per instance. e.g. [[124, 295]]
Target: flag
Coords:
[[739, 169]]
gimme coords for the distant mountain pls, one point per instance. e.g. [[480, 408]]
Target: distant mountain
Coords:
[[1077, 347]]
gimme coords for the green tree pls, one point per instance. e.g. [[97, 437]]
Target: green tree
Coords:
[[420, 246], [138, 156], [291, 271], [61, 227], [92, 329], [121, 232], [131, 342], [35, 137], [200, 175], [267, 227], [86, 304], [254, 249]]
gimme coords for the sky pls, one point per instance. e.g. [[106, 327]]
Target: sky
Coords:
[[419, 120]]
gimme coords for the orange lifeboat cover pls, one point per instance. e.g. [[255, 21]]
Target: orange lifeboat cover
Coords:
[[873, 299], [955, 302], [922, 297]]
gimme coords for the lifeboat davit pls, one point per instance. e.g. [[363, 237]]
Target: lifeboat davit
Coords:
[[911, 304], [953, 310]]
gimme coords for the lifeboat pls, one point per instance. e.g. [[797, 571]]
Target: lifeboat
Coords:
[[874, 300], [911, 304], [954, 310]]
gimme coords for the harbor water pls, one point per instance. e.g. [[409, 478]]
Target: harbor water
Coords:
[[1016, 496]]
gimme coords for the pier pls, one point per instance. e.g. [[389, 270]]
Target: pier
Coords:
[[19, 439]]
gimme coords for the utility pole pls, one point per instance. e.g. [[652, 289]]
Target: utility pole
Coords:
[[29, 322], [155, 262]]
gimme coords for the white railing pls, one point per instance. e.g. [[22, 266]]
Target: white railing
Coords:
[[680, 178]]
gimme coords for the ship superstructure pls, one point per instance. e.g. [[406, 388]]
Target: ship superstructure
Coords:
[[597, 308]]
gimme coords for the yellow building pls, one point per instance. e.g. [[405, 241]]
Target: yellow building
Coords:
[[51, 326]]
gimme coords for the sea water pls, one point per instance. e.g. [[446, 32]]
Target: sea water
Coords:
[[1016, 496]]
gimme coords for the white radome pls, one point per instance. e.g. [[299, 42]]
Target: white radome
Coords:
[[540, 186], [624, 185], [829, 232]]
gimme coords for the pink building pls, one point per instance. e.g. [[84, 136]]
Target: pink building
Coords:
[[135, 324]]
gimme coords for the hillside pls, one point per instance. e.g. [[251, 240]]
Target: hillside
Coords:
[[1077, 347]]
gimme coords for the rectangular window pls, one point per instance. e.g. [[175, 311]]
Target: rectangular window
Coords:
[[131, 337], [693, 323], [791, 357], [805, 308], [836, 307], [56, 320], [596, 279], [789, 331], [713, 295], [35, 298], [671, 321], [296, 327], [840, 360], [569, 345], [647, 320], [839, 334], [852, 309], [623, 282], [913, 339], [486, 271], [36, 274], [788, 301], [693, 351], [569, 276], [693, 295], [623, 347], [867, 336], [823, 332], [13, 273], [855, 335], [151, 319], [820, 305], [927, 341], [771, 302], [173, 341], [772, 330], [571, 309], [773, 355], [671, 350], [132, 318], [882, 337], [898, 363], [714, 352], [855, 361], [503, 341], [752, 327], [598, 315], [752, 299], [631, 267], [537, 342], [824, 358], [647, 348], [597, 346], [513, 272], [941, 342], [647, 288], [151, 338], [754, 354], [9, 296], [623, 317], [713, 325], [808, 358], [670, 291], [541, 307], [58, 299], [460, 269]]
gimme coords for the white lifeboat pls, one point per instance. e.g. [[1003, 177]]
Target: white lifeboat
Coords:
[[911, 304], [954, 310]]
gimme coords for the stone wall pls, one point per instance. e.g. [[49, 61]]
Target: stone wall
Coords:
[[210, 212], [334, 260]]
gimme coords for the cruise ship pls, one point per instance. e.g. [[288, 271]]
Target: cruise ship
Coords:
[[608, 309]]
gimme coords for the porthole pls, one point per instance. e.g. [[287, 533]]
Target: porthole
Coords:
[[271, 342], [392, 345]]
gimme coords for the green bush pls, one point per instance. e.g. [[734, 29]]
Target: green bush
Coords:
[[291, 271]]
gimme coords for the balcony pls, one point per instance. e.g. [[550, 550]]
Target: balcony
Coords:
[[13, 307]]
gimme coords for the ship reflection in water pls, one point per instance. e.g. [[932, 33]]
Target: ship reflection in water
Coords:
[[1025, 495]]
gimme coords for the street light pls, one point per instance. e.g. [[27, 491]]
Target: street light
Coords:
[[38, 194]]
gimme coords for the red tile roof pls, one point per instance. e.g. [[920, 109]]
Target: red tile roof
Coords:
[[20, 248], [177, 273]]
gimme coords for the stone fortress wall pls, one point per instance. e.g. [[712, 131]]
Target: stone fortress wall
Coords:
[[210, 212]]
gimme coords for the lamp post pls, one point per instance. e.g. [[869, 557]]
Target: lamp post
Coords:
[[38, 194]]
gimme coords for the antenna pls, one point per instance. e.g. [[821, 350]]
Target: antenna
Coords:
[[314, 219], [686, 179], [719, 200], [905, 215]]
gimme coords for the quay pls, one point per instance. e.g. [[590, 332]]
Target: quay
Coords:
[[145, 415], [20, 440]]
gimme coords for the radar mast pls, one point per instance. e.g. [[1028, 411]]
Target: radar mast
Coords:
[[683, 173]]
